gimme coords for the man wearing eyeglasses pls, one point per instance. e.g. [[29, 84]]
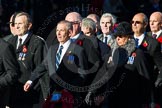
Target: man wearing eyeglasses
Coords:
[[152, 52], [92, 53]]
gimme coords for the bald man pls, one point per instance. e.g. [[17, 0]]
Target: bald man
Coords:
[[155, 23]]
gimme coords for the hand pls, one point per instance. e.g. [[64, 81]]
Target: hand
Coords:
[[98, 100], [158, 82], [27, 86]]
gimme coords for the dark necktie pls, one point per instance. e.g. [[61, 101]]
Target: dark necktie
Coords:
[[105, 40], [136, 41], [58, 56], [20, 43], [154, 36], [72, 40]]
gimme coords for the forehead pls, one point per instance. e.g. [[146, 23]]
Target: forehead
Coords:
[[155, 16], [22, 18], [138, 17], [105, 19], [61, 26], [93, 18], [72, 17]]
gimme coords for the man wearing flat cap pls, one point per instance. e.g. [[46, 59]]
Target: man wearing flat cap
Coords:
[[124, 68]]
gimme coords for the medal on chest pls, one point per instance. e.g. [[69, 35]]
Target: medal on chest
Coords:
[[131, 58], [22, 55]]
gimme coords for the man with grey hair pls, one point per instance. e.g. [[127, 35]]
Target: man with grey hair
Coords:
[[29, 50], [96, 19], [107, 22], [89, 29]]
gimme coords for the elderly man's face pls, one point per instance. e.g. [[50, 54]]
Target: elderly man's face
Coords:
[[155, 22], [22, 25], [106, 25], [138, 24], [62, 33]]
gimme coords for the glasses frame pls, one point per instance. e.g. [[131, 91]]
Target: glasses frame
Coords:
[[136, 22]]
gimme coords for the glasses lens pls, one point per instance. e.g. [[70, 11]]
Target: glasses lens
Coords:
[[136, 22], [75, 22]]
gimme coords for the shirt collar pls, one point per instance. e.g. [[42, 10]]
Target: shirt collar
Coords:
[[23, 37], [141, 37], [66, 44], [76, 36], [157, 33]]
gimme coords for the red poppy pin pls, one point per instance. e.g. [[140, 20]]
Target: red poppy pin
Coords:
[[79, 42], [134, 54], [160, 39], [145, 44], [24, 49]]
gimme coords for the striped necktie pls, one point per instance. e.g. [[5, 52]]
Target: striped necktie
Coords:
[[58, 56]]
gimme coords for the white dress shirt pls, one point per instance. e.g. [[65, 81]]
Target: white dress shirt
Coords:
[[65, 47], [157, 33], [140, 38], [23, 39]]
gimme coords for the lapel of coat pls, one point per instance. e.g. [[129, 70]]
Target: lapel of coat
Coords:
[[145, 43], [53, 52], [100, 37], [14, 43], [159, 39], [68, 51], [53, 55]]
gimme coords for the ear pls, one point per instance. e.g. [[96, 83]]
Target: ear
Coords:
[[161, 24], [145, 24], [29, 26], [70, 32]]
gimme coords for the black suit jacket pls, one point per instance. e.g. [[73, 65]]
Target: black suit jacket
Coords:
[[29, 55], [33, 56], [94, 58], [70, 72], [152, 51], [159, 39], [8, 69]]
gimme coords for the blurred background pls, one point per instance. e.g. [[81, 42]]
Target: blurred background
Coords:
[[46, 13]]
